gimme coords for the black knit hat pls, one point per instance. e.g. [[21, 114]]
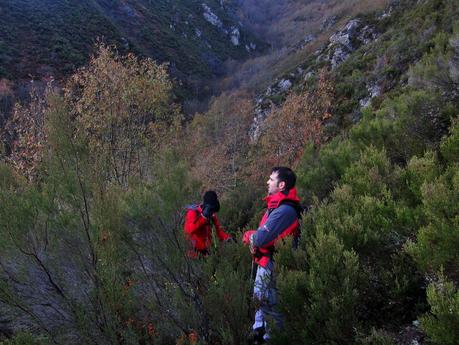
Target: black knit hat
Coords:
[[210, 198]]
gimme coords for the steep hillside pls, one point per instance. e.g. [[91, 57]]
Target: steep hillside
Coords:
[[295, 30], [94, 186], [369, 122], [53, 37], [288, 22]]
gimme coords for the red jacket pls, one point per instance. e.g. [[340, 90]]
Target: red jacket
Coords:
[[198, 230], [283, 223]]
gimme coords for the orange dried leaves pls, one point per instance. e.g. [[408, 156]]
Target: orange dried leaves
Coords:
[[25, 129]]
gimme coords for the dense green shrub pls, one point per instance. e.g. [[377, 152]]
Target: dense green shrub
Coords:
[[442, 323], [450, 144], [377, 337], [331, 282], [438, 238], [406, 125], [417, 171], [361, 210], [318, 301], [25, 339], [319, 170], [437, 242]]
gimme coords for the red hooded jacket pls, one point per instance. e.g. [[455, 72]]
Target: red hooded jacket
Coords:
[[198, 230]]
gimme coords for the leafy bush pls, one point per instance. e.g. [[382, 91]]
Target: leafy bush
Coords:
[[318, 171], [331, 282], [377, 337], [318, 303], [25, 339], [437, 242], [406, 125], [442, 323], [450, 145], [361, 210], [118, 105]]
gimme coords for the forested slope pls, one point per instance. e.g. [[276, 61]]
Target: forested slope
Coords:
[[93, 192], [43, 40]]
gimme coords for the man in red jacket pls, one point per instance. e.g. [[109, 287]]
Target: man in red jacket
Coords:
[[198, 224], [279, 221]]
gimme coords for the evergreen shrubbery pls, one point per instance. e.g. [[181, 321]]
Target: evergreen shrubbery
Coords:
[[388, 193], [97, 229]]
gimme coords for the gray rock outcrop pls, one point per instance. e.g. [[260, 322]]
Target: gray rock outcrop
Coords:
[[211, 17], [340, 46], [344, 42]]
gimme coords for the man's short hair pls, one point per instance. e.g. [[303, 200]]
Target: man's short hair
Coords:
[[286, 175]]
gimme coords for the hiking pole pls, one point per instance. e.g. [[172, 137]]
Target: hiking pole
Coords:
[[253, 273], [213, 234]]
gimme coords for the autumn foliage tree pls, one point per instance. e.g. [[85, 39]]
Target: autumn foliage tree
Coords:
[[99, 232], [297, 122], [25, 136], [120, 104], [218, 141], [69, 226]]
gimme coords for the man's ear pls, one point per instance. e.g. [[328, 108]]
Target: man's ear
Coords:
[[281, 185]]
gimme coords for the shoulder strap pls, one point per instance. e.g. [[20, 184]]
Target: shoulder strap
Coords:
[[296, 206], [300, 210], [193, 208]]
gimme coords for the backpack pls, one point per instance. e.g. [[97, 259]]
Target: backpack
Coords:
[[300, 211]]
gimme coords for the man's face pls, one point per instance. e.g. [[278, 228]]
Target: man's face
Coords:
[[274, 186]]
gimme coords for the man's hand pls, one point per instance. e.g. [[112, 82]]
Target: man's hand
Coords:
[[230, 239], [247, 239], [253, 249], [208, 211]]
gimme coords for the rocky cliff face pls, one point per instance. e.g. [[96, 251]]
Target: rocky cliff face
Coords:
[[354, 34]]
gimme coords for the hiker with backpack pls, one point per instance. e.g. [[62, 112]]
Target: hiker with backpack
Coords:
[[199, 219], [280, 220]]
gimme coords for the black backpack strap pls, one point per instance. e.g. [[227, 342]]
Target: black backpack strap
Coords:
[[300, 210], [297, 206]]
